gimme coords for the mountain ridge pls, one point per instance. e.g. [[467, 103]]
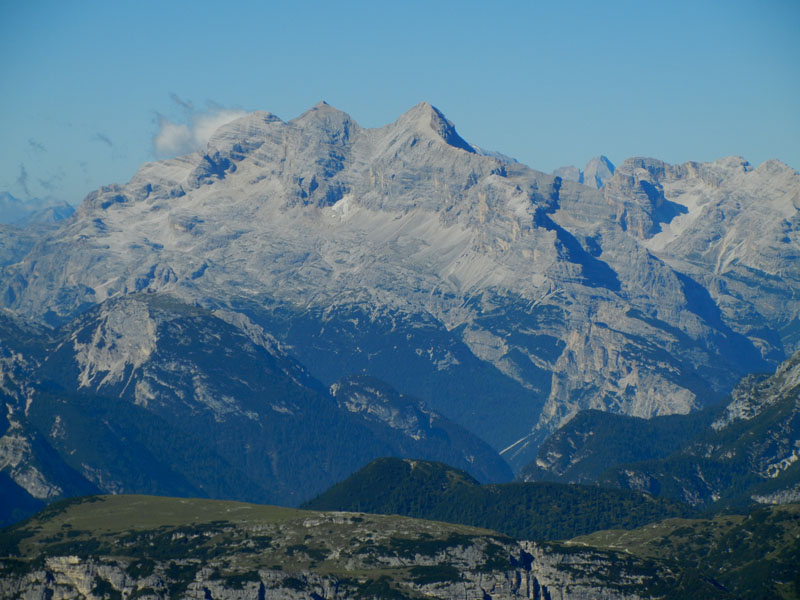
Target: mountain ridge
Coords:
[[146, 394], [637, 298]]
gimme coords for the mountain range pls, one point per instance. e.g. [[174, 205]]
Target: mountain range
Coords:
[[455, 275], [14, 211], [258, 320], [730, 457], [311, 292]]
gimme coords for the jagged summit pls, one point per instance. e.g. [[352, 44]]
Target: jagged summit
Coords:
[[334, 125], [777, 167], [321, 110], [597, 171], [426, 119]]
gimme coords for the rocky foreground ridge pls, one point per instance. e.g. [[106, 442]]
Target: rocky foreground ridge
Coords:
[[458, 277], [158, 548]]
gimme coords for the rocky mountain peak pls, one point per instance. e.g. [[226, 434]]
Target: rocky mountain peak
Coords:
[[332, 124], [776, 168], [642, 166], [569, 173], [426, 119], [736, 163], [598, 170]]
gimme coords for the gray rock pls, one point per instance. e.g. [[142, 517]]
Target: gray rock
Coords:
[[598, 170], [570, 173]]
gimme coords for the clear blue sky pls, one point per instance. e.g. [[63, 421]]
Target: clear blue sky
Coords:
[[87, 85]]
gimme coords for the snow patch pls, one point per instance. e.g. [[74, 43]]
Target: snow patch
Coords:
[[694, 202]]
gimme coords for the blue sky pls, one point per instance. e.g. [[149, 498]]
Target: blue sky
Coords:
[[87, 87]]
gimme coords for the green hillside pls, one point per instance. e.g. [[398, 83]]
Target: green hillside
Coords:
[[544, 510], [752, 556]]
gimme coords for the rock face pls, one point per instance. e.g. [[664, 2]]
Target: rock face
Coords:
[[747, 450], [415, 429], [594, 441], [750, 453], [461, 278], [550, 574]]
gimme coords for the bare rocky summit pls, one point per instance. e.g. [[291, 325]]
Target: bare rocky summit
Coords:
[[597, 171]]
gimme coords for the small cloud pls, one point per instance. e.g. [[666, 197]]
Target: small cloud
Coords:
[[22, 179], [37, 146], [173, 138], [187, 104], [99, 137], [50, 183], [206, 124]]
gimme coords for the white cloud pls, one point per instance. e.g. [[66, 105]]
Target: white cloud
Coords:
[[206, 124], [173, 138]]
